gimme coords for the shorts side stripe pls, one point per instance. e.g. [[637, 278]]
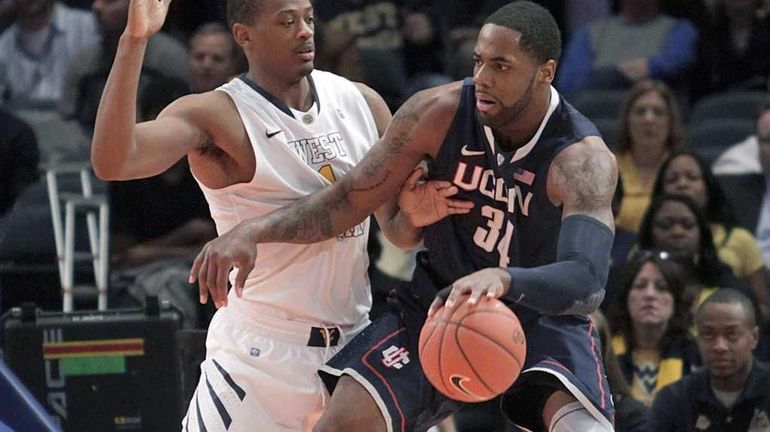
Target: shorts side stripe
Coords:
[[201, 425], [582, 398], [220, 406], [598, 362], [382, 378], [236, 388]]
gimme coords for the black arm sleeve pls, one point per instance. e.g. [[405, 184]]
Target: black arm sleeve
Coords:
[[575, 283]]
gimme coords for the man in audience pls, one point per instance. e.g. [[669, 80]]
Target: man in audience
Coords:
[[38, 48], [640, 42], [165, 57], [744, 172], [733, 392], [213, 57]]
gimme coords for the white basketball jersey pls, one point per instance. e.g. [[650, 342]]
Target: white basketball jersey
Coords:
[[297, 154]]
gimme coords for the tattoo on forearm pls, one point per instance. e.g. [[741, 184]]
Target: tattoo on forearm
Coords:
[[319, 216], [375, 172]]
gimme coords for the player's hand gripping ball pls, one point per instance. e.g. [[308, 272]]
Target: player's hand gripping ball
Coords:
[[473, 353]]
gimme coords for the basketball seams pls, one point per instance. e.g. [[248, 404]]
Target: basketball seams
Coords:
[[471, 329], [468, 360], [461, 355], [428, 337], [438, 355]]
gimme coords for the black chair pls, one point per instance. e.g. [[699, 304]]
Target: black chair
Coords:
[[711, 139], [599, 104], [731, 105]]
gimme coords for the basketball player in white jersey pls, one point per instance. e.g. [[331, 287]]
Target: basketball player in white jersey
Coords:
[[278, 133]]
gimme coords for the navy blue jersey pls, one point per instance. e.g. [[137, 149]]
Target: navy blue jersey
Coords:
[[513, 222]]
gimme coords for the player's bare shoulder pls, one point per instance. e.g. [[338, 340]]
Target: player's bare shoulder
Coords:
[[223, 146], [426, 116], [583, 177]]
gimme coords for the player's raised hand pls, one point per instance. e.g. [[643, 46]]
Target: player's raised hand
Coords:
[[427, 202], [146, 17], [491, 282], [212, 266]]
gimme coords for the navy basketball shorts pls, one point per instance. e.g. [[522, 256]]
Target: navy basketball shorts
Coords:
[[384, 359]]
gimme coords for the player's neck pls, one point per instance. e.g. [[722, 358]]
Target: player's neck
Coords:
[[295, 94], [519, 132]]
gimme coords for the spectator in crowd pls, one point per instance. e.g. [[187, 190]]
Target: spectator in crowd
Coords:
[[640, 42], [732, 50], [165, 57], [685, 173], [650, 129], [676, 224], [398, 44], [212, 57], [731, 394], [19, 157], [630, 414], [463, 20], [39, 47], [650, 325], [744, 172]]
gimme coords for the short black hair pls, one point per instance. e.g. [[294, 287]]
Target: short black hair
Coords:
[[731, 296], [708, 268], [540, 35], [242, 11]]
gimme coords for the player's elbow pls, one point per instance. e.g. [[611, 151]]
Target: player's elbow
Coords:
[[105, 171], [590, 289]]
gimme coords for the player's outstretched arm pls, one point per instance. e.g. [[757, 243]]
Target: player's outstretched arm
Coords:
[[121, 149], [416, 131], [418, 203], [582, 178]]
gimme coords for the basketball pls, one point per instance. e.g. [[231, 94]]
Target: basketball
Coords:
[[476, 353]]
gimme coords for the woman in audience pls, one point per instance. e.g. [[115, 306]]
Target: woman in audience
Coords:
[[674, 223], [650, 129], [685, 173], [650, 323]]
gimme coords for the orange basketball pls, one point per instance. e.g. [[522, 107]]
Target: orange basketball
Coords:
[[476, 353]]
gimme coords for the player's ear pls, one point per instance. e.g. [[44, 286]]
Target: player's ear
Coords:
[[242, 35], [547, 72]]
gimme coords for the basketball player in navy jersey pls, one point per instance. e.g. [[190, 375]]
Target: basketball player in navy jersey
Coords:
[[276, 134], [538, 236]]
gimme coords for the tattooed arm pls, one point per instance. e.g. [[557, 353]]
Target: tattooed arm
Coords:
[[415, 132], [582, 179]]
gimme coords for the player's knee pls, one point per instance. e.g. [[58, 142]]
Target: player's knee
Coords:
[[574, 417], [352, 409]]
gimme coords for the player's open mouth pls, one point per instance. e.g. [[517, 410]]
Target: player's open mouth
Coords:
[[484, 103], [306, 53]]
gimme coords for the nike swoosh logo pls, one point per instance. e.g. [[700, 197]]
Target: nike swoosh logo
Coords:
[[465, 152], [272, 134], [458, 380]]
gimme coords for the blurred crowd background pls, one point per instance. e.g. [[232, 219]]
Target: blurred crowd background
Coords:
[[678, 88]]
